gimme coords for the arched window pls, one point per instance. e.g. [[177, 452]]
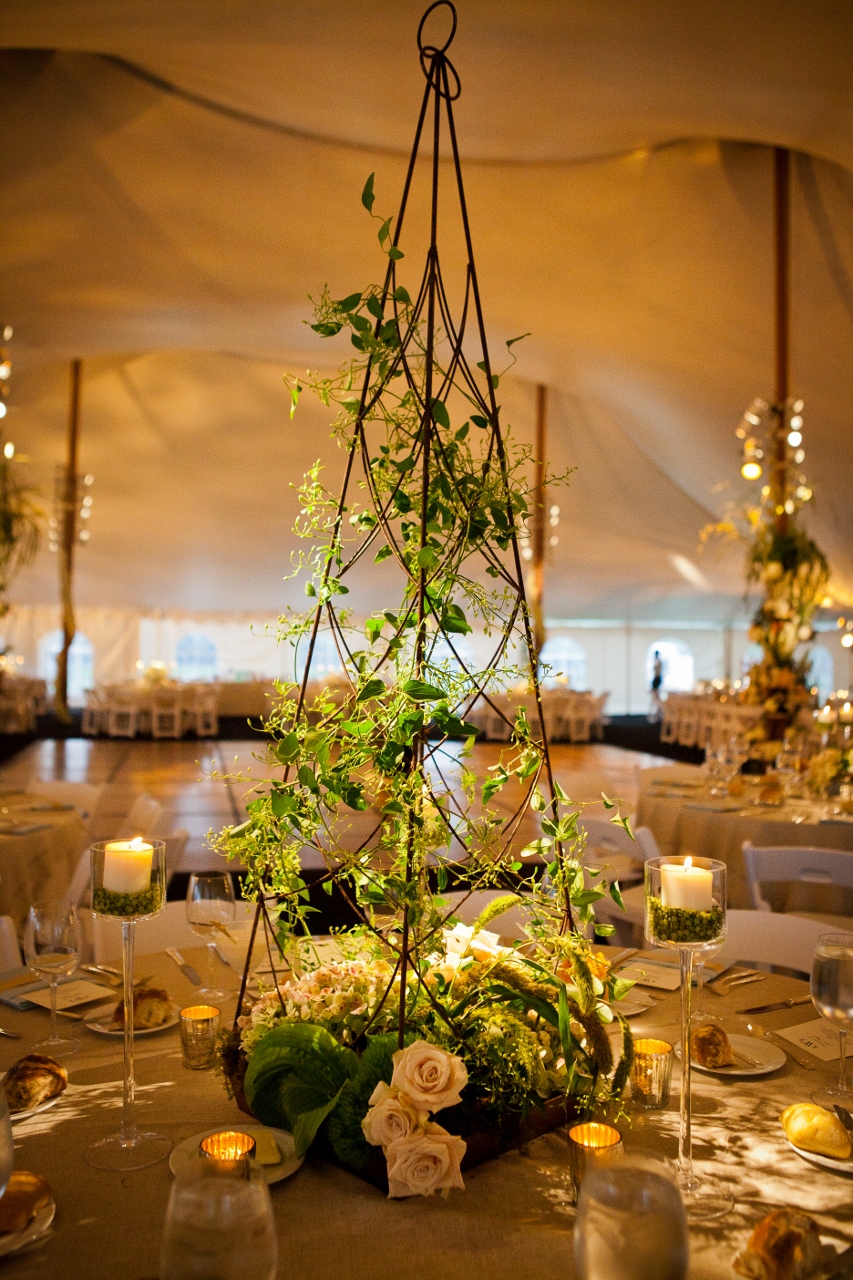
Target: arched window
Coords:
[[81, 664], [326, 661], [566, 659], [195, 655], [821, 671], [677, 660]]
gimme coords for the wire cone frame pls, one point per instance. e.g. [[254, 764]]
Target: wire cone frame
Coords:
[[444, 499]]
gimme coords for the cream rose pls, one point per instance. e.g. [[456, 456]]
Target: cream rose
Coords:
[[426, 1161], [391, 1116], [430, 1076]]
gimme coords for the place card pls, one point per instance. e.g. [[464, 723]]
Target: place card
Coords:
[[818, 1037], [69, 994], [653, 975]]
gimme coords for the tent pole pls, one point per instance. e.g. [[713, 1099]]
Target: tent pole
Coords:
[[782, 236], [537, 531], [69, 538]]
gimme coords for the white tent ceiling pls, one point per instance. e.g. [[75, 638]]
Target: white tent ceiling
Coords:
[[176, 178]]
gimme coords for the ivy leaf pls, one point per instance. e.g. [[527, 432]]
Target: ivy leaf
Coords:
[[385, 230], [440, 414], [327, 328], [288, 749], [310, 589], [454, 622], [537, 801], [426, 558], [294, 398], [371, 690], [512, 341], [373, 628], [479, 421], [395, 254], [374, 306], [382, 554], [462, 432], [419, 691], [402, 295], [616, 894], [350, 302], [367, 195], [492, 785], [607, 802]]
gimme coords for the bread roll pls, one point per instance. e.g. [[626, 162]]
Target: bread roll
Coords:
[[32, 1080], [784, 1246], [814, 1129], [25, 1194], [151, 1008], [711, 1046]]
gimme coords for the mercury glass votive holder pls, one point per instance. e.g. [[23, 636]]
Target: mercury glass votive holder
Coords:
[[651, 1074], [199, 1027], [591, 1145], [230, 1152]]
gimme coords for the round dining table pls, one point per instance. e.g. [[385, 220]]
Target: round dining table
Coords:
[[40, 845], [513, 1221], [689, 820]]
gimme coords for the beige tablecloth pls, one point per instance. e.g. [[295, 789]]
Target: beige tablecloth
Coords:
[[41, 864], [512, 1222], [700, 825]]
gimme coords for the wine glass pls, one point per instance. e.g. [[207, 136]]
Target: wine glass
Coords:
[[631, 1225], [52, 946], [220, 1225], [210, 907], [832, 996]]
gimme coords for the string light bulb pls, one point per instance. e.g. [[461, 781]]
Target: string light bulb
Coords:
[[751, 470]]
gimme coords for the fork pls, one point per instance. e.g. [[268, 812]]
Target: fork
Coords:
[[13, 1035], [742, 980]]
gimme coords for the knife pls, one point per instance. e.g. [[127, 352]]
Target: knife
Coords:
[[844, 1116], [187, 969], [780, 1004]]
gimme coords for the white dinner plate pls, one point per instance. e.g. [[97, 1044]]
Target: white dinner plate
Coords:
[[630, 1008], [769, 1055], [15, 1116], [101, 1020], [12, 1241], [186, 1153], [826, 1162]]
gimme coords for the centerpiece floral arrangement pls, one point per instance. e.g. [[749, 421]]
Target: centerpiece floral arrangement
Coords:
[[417, 1044]]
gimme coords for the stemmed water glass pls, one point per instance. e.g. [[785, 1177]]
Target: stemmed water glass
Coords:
[[832, 996], [52, 946], [210, 908]]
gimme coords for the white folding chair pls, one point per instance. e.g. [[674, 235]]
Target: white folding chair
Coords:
[[94, 714], [764, 937], [167, 713], [610, 845], [202, 715], [688, 722], [772, 864], [142, 819], [671, 712], [600, 719], [122, 717]]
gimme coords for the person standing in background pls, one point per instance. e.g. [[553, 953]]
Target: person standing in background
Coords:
[[656, 709]]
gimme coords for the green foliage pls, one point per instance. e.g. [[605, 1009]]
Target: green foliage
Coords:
[[344, 1125]]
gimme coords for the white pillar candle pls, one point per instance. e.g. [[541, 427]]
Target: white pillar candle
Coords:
[[686, 886], [127, 866]]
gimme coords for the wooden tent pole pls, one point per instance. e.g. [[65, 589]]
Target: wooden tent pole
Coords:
[[782, 228], [537, 531], [69, 539]]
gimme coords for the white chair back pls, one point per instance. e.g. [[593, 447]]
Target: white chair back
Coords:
[[167, 716], [765, 937], [812, 866], [143, 818]]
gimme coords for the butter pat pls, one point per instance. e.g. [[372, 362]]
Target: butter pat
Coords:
[[266, 1147]]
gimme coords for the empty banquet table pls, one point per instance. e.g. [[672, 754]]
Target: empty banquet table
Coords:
[[688, 820], [40, 845], [512, 1222]]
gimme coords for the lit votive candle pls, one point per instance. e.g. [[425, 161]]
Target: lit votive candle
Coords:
[[199, 1027], [683, 885], [651, 1073], [229, 1150], [590, 1145], [127, 866]]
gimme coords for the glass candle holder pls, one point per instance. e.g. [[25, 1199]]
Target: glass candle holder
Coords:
[[686, 911], [199, 1027], [651, 1074], [590, 1145], [230, 1152], [128, 884]]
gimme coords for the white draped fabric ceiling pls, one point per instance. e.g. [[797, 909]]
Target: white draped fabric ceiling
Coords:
[[176, 178]]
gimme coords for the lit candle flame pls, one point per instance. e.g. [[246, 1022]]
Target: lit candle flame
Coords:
[[688, 863], [137, 843]]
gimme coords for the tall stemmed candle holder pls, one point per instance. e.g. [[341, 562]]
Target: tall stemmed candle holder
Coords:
[[128, 884], [686, 911]]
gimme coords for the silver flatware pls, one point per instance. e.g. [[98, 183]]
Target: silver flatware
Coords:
[[12, 1035], [844, 1116], [741, 981], [777, 1004], [793, 1051], [186, 969]]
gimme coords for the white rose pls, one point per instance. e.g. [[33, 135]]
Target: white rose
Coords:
[[426, 1161], [429, 1075], [391, 1116], [458, 939], [486, 946]]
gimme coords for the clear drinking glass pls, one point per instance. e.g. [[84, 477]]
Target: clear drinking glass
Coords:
[[210, 908], [7, 1143], [52, 946], [219, 1227], [832, 996], [630, 1225]]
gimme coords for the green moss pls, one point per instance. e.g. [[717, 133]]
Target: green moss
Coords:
[[680, 924], [127, 905]]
